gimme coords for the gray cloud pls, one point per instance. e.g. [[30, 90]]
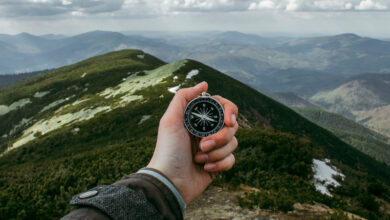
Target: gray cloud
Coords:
[[147, 8], [321, 5], [26, 8]]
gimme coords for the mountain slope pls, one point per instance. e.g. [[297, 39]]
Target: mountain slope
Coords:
[[345, 53], [361, 98], [92, 122], [365, 140]]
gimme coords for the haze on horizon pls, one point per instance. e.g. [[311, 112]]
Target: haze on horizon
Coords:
[[266, 17]]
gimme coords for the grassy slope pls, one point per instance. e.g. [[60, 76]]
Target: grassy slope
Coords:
[[59, 164], [351, 132]]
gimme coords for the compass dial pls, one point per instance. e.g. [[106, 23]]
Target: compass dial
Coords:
[[204, 116]]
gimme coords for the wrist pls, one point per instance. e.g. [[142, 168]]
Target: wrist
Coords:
[[167, 182]]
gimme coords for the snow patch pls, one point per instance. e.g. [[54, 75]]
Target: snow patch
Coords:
[[56, 103], [21, 124], [135, 83], [45, 126], [79, 101], [192, 73], [41, 94], [84, 74], [141, 56], [144, 118], [174, 89], [324, 176], [4, 109], [175, 78]]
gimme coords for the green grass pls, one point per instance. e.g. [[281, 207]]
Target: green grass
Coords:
[[275, 155], [362, 138]]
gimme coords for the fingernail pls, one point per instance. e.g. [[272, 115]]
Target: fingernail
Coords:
[[210, 166], [234, 119], [202, 158], [207, 145]]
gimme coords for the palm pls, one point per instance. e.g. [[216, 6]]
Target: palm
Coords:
[[174, 144]]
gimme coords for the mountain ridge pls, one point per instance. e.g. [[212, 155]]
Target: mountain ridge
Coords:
[[276, 154]]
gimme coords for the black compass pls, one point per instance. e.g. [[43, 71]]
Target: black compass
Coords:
[[204, 116]]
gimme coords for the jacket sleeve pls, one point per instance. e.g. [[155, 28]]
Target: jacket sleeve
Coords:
[[147, 194]]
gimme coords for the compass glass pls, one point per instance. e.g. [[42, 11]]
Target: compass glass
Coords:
[[204, 116]]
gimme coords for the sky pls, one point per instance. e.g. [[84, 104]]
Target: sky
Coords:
[[266, 17]]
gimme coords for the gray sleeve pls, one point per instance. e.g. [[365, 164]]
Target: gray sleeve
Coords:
[[116, 202], [136, 196]]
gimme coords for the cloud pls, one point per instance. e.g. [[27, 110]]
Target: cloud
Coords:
[[370, 5], [24, 8], [145, 8], [321, 5]]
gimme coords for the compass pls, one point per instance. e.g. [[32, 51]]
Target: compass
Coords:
[[204, 116]]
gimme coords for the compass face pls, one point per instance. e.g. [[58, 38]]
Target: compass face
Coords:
[[204, 116]]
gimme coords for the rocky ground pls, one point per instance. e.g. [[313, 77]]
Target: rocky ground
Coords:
[[220, 203]]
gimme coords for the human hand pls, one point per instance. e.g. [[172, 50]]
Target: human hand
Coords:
[[173, 155]]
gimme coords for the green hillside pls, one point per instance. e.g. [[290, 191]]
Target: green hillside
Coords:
[[364, 139], [70, 129]]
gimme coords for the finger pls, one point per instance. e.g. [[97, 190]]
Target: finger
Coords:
[[218, 139], [177, 106], [222, 152], [230, 109], [222, 165]]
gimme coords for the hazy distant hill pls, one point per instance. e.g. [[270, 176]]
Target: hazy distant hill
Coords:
[[364, 98], [346, 53], [89, 123], [10, 78], [364, 139], [25, 52], [291, 99]]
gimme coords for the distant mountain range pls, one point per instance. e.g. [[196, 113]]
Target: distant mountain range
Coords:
[[364, 139], [89, 123], [364, 98]]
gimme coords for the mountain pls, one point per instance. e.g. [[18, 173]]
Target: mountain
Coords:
[[10, 78], [89, 123], [345, 53], [353, 133], [25, 52], [291, 99], [363, 98], [303, 66]]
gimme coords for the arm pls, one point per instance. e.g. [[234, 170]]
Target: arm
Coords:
[[174, 177]]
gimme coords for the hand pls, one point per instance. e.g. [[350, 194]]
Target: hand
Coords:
[[173, 156]]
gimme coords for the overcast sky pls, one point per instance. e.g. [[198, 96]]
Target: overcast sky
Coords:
[[297, 17]]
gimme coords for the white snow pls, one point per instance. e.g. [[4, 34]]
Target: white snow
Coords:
[[324, 176], [84, 74], [141, 56], [80, 101], [174, 89], [22, 123], [56, 103], [144, 118], [75, 130], [192, 73], [135, 83], [175, 78], [4, 109], [55, 122], [41, 94]]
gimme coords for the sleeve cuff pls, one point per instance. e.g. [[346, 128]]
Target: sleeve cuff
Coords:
[[163, 179]]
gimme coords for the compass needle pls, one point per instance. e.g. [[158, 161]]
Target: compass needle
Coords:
[[204, 116]]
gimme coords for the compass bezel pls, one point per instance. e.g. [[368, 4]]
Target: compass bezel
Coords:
[[187, 121]]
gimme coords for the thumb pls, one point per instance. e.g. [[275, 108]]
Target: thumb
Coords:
[[182, 98]]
